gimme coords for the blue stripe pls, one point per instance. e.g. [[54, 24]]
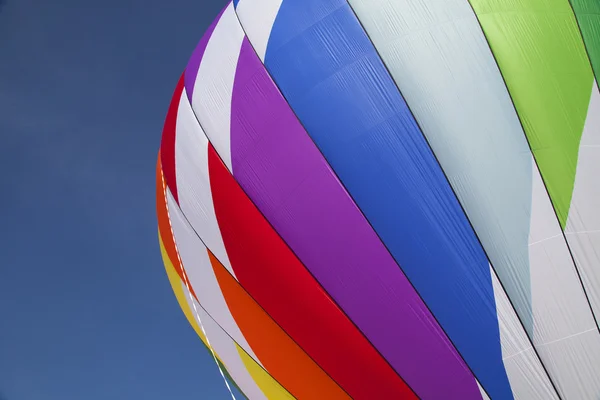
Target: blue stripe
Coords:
[[330, 73]]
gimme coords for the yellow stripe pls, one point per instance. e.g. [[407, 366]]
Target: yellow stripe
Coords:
[[269, 386]]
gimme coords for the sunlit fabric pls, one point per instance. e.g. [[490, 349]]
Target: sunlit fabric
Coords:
[[390, 199]]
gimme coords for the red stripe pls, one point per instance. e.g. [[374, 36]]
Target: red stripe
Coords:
[[167, 146], [281, 356], [272, 274]]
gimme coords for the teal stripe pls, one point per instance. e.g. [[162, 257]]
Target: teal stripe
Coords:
[[587, 13]]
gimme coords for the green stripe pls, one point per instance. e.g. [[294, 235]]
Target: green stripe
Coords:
[[588, 16], [541, 55]]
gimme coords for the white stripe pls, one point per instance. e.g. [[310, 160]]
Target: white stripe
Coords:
[[518, 354], [225, 347], [440, 59], [257, 18], [214, 83], [484, 395], [583, 222], [565, 333], [193, 184], [187, 291], [194, 257]]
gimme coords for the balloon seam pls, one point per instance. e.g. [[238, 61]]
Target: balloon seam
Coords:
[[187, 285]]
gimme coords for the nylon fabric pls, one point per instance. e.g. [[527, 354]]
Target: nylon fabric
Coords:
[[263, 13], [225, 349], [183, 291], [583, 225], [167, 145], [269, 387], [193, 65], [329, 72], [543, 60], [293, 298], [195, 197], [390, 198], [271, 273], [229, 351], [569, 343], [222, 297], [164, 225], [283, 173], [231, 381], [280, 355], [437, 55], [587, 13], [440, 59], [201, 277], [217, 71]]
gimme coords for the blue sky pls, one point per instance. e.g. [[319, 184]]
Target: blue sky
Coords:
[[86, 310]]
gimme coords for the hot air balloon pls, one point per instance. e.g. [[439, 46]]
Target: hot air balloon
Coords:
[[377, 199]]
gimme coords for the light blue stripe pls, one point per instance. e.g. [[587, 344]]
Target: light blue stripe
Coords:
[[446, 71]]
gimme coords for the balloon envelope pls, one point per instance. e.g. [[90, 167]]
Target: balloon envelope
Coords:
[[375, 199]]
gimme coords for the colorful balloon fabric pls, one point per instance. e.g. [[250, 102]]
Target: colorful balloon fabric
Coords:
[[390, 199]]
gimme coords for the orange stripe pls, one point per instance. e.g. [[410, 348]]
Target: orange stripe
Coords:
[[164, 226], [281, 356]]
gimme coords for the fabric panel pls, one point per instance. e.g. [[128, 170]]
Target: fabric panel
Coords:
[[283, 173], [442, 63], [280, 355], [217, 70], [223, 346], [587, 13], [201, 276], [191, 163], [543, 60], [329, 72], [271, 273]]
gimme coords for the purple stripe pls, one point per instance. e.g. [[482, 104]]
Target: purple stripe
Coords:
[[283, 172], [191, 70]]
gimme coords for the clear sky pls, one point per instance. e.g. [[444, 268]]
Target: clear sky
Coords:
[[86, 310]]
